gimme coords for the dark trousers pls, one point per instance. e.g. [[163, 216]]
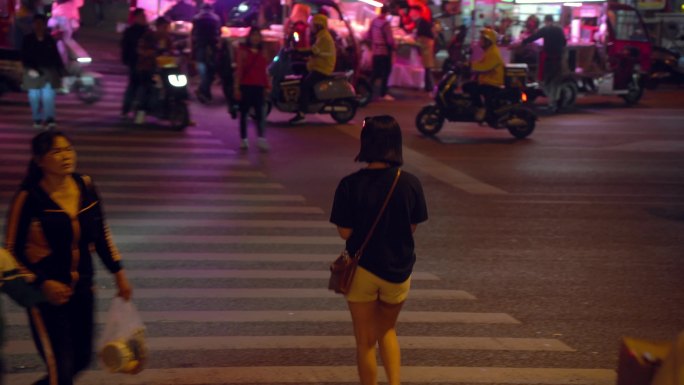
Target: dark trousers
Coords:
[[137, 91], [207, 71], [552, 79], [429, 81], [227, 88], [307, 88], [477, 91], [252, 97], [382, 67], [131, 88], [64, 335]]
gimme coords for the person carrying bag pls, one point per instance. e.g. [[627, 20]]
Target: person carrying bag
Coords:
[[380, 225]]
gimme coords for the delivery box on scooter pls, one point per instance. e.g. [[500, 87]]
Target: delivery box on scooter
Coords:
[[515, 75], [334, 88]]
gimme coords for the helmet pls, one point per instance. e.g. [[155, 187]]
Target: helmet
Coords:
[[489, 34], [320, 20]]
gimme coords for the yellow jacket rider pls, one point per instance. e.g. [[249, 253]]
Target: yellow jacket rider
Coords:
[[321, 64], [489, 70]]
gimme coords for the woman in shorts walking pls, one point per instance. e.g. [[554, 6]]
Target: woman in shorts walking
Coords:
[[382, 280]]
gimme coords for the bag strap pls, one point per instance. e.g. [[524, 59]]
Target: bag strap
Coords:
[[359, 252]]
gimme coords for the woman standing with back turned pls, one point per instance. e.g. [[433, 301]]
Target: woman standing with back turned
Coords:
[[382, 280]]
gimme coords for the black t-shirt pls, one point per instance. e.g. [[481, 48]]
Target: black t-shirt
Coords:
[[358, 199]]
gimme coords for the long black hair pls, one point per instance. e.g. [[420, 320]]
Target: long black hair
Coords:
[[41, 144]]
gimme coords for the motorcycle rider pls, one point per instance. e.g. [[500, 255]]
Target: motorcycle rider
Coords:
[[490, 73], [151, 46], [320, 65]]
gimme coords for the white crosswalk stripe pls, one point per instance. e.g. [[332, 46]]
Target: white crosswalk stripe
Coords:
[[242, 263]]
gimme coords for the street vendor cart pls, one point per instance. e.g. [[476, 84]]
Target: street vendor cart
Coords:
[[608, 53]]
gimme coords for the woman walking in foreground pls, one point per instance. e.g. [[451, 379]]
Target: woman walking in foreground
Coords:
[[382, 280]]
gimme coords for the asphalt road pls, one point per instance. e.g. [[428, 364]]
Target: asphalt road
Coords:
[[538, 255]]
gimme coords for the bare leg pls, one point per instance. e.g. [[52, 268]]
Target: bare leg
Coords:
[[364, 318], [387, 338]]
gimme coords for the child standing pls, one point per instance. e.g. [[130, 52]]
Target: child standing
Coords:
[[250, 86]]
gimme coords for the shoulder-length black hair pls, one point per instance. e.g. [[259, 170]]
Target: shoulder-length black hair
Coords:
[[381, 141], [41, 144]]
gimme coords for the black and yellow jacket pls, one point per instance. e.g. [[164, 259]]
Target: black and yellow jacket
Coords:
[[50, 244]]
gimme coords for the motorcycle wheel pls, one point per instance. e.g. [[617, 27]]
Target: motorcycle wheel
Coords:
[[179, 116], [521, 123], [567, 94], [429, 120], [364, 92], [344, 116], [91, 93], [634, 92]]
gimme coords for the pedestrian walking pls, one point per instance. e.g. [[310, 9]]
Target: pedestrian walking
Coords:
[[17, 285], [206, 30], [382, 46], [426, 42], [383, 277], [54, 220], [129, 57], [552, 68], [251, 85], [43, 71], [226, 72]]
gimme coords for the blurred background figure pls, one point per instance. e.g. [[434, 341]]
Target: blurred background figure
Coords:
[[129, 57], [426, 41], [206, 31], [298, 22], [251, 85], [43, 71], [183, 10], [382, 46], [66, 17]]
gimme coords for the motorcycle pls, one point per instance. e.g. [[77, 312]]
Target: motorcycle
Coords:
[[169, 95], [667, 66], [87, 85], [504, 109], [334, 95]]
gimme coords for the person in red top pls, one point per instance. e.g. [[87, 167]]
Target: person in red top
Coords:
[[251, 85]]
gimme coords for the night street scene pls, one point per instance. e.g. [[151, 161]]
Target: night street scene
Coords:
[[503, 180]]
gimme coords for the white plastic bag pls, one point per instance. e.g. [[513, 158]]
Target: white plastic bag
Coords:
[[122, 346]]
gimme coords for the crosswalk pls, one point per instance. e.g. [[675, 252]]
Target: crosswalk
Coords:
[[229, 271]]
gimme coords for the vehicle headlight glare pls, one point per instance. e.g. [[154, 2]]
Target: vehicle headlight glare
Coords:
[[178, 80]]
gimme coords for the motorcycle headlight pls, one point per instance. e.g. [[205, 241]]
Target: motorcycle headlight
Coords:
[[243, 7], [178, 80], [84, 60]]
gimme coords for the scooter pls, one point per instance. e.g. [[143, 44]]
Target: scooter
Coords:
[[504, 109], [667, 66], [87, 85], [334, 95], [169, 95]]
